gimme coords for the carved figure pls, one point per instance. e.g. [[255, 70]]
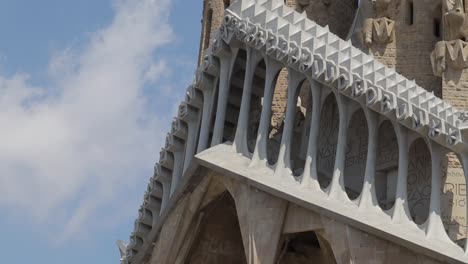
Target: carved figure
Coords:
[[438, 59], [454, 18]]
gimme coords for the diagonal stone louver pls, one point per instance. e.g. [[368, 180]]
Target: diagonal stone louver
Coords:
[[269, 30]]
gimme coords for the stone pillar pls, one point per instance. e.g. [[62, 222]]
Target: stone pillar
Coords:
[[163, 175], [189, 115], [240, 140], [435, 228], [260, 152], [337, 186], [261, 218], [226, 57], [401, 212], [368, 196], [310, 175], [283, 166], [176, 146], [207, 84]]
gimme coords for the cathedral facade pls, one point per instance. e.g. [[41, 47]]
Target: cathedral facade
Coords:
[[316, 131]]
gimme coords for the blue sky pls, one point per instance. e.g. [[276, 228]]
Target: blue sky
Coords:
[[87, 92]]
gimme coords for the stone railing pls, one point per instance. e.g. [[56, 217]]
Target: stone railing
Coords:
[[283, 38]]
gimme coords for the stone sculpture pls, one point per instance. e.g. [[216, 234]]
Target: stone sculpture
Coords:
[[454, 16]]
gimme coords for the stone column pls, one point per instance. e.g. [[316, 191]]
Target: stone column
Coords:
[[163, 175], [283, 166], [310, 176], [226, 58], [260, 153], [368, 195], [206, 81], [337, 186], [401, 212], [176, 147], [153, 199], [435, 228], [207, 84], [464, 159], [189, 115], [261, 218], [240, 140]]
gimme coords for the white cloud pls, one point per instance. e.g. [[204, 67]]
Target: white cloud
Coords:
[[73, 149]]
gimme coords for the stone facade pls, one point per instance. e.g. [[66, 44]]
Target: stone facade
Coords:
[[294, 146]]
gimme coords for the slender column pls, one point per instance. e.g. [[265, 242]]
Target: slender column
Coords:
[[153, 198], [337, 186], [310, 176], [194, 99], [189, 115], [206, 121], [464, 159], [206, 80], [225, 61], [283, 166], [176, 146], [368, 195], [240, 140], [272, 69], [163, 175], [401, 213], [435, 227]]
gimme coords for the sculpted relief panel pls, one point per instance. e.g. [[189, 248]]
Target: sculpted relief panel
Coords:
[[356, 154], [419, 181], [328, 139]]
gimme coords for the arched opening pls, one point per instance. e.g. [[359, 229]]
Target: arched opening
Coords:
[[453, 202], [305, 247], [301, 128], [386, 170], [219, 238], [356, 154], [410, 17], [256, 103], [208, 23], [419, 181], [235, 96], [327, 140], [278, 110]]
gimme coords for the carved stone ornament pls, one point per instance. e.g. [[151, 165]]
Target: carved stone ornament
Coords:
[[454, 16], [453, 54], [379, 30]]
